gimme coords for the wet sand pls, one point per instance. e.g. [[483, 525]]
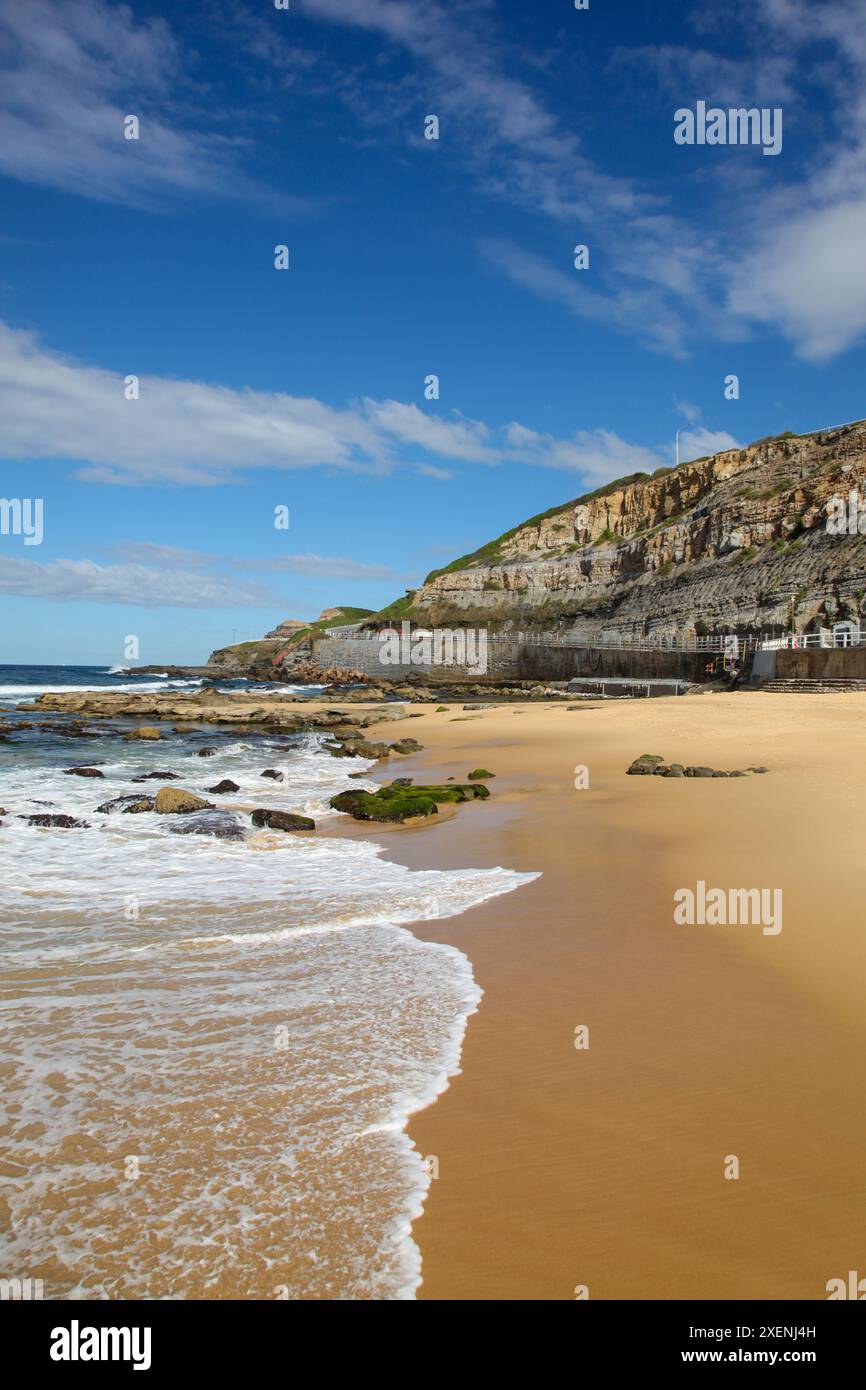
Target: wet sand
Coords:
[[605, 1167]]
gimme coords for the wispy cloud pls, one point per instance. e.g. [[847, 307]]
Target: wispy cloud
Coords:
[[85, 581], [636, 310], [188, 432], [596, 456], [319, 566], [70, 71], [765, 256]]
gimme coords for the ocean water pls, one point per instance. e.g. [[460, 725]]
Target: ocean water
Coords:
[[19, 683], [212, 1047]]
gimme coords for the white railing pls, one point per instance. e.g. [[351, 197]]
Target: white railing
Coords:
[[613, 641]]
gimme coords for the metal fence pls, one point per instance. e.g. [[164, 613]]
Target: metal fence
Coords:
[[717, 644]]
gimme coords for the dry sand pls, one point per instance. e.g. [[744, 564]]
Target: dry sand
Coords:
[[605, 1167]]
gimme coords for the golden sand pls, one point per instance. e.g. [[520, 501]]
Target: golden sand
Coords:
[[605, 1167]]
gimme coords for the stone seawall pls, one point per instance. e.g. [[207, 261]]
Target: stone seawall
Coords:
[[510, 658]]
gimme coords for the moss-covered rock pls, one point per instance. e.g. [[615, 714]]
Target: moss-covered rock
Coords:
[[266, 819], [480, 774], [400, 803]]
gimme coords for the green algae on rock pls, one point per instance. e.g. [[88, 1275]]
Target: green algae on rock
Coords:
[[399, 803]]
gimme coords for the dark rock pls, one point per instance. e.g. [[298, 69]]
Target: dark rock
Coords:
[[57, 822], [157, 777], [226, 785], [83, 772], [720, 774], [758, 769], [130, 805], [282, 820], [222, 824], [700, 772], [205, 752], [645, 765], [675, 770], [358, 748], [273, 774], [406, 745]]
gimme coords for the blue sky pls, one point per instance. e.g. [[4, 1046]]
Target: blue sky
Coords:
[[304, 387]]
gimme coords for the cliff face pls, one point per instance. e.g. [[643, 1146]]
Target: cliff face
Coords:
[[730, 542]]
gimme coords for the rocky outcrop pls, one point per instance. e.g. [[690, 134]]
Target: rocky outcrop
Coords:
[[733, 542], [210, 707]]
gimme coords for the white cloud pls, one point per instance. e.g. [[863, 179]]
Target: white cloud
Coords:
[[452, 439], [808, 274], [188, 432], [84, 581], [185, 432], [689, 412], [597, 455], [600, 455], [70, 71], [635, 310], [149, 552], [699, 443]]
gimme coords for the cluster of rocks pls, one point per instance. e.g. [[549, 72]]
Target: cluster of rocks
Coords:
[[653, 765], [350, 746]]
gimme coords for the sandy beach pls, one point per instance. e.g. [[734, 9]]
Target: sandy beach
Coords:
[[605, 1167]]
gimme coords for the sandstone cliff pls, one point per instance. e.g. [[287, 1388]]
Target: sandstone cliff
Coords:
[[733, 542]]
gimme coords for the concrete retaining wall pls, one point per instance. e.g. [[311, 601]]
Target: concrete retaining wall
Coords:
[[512, 659], [831, 663]]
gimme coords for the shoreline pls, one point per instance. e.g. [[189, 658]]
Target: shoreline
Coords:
[[558, 1168], [704, 1042]]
